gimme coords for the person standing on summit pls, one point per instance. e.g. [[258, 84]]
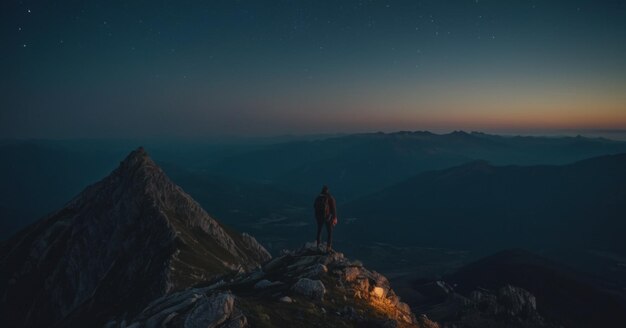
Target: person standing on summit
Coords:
[[325, 214]]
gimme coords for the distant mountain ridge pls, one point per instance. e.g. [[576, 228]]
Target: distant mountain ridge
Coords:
[[576, 205], [122, 242], [358, 164]]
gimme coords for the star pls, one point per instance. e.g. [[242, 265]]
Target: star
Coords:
[[29, 11]]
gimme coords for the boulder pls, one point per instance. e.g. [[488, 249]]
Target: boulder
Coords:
[[313, 289], [379, 292], [286, 299], [211, 311], [315, 271]]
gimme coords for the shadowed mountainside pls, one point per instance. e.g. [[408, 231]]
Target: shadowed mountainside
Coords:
[[577, 205], [122, 242]]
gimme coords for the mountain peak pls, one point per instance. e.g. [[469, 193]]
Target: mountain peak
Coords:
[[139, 159], [125, 240], [459, 133], [138, 155]]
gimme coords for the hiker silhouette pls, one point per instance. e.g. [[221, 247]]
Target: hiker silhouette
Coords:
[[325, 215]]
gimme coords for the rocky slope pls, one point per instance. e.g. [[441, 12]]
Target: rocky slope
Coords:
[[516, 288], [122, 242], [506, 307], [563, 295], [305, 288]]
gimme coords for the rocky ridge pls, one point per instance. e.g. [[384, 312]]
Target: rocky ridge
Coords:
[[122, 242], [304, 288], [508, 306]]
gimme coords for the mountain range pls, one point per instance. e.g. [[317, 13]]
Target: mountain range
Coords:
[[357, 165], [582, 205], [135, 250]]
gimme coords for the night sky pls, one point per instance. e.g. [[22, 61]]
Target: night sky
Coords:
[[212, 68]]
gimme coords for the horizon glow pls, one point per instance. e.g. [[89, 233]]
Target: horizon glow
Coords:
[[195, 69]]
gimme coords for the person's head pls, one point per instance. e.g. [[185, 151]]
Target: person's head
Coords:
[[325, 189]]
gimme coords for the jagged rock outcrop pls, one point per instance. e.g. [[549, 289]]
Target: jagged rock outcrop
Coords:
[[352, 297], [201, 310], [508, 301], [122, 242], [509, 306]]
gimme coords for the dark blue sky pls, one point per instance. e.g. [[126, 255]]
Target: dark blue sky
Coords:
[[207, 68]]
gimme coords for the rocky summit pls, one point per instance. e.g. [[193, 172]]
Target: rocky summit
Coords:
[[303, 288], [121, 243]]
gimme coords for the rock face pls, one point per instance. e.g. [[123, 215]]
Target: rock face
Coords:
[[122, 242], [509, 300], [345, 294], [563, 296], [192, 308], [508, 306]]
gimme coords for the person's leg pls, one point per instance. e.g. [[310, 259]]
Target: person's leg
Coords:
[[320, 224], [329, 229]]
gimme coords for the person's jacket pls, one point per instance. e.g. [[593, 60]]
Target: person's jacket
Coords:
[[332, 205]]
